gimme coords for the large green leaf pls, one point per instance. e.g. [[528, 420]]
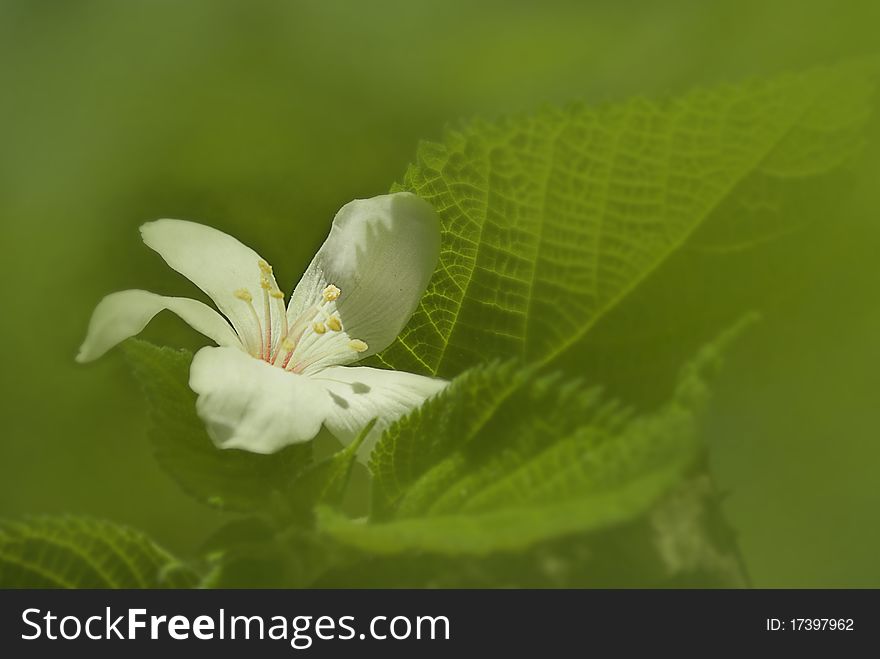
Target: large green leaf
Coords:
[[551, 458], [226, 479], [402, 456], [683, 541], [550, 220], [75, 552]]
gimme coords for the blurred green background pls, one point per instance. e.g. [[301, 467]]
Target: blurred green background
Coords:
[[263, 118]]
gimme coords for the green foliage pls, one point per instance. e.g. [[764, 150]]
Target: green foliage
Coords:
[[514, 475], [683, 541], [403, 454], [550, 458], [550, 220], [77, 552], [229, 479], [324, 482]]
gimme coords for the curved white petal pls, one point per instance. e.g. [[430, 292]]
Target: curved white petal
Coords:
[[126, 313], [381, 253], [360, 394], [219, 265], [251, 405]]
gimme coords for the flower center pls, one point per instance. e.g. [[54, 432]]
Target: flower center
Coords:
[[305, 344]]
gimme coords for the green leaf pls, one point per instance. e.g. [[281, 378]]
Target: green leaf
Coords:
[[324, 482], [683, 541], [550, 220], [226, 479], [513, 527], [76, 552], [552, 458], [402, 456]]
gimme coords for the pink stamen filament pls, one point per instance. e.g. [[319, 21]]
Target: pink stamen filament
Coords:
[[267, 347], [294, 333]]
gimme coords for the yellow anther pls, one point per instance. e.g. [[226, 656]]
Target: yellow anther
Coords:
[[265, 268], [288, 345], [278, 295], [357, 345], [331, 293], [243, 294], [334, 324], [319, 328], [265, 284]]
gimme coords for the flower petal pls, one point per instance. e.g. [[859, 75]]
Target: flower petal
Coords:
[[360, 394], [124, 314], [251, 405], [219, 265], [381, 253]]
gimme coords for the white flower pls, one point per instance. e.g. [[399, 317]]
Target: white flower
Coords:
[[279, 373]]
